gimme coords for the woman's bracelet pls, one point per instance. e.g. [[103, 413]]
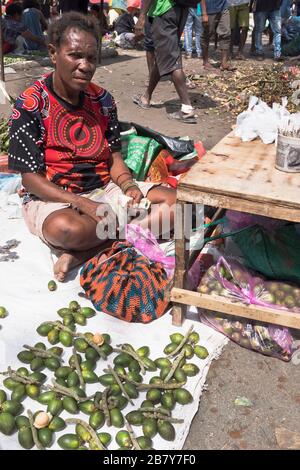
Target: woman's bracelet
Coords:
[[128, 184], [127, 173]]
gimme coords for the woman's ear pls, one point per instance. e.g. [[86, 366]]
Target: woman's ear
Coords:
[[52, 53]]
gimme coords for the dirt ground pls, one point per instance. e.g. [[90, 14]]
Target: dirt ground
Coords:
[[272, 385]]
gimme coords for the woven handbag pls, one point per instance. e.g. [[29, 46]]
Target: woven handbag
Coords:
[[126, 285]]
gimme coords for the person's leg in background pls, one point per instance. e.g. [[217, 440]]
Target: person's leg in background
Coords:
[[167, 30], [198, 32], [252, 49], [243, 23], [233, 21], [224, 35], [260, 22], [208, 31], [188, 35], [178, 75], [149, 46], [275, 22]]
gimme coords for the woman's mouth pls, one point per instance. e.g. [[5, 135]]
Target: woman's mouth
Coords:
[[83, 79]]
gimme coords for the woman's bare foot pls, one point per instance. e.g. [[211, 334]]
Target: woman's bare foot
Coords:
[[68, 261], [63, 265]]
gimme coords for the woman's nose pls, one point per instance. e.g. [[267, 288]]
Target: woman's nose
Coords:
[[85, 64]]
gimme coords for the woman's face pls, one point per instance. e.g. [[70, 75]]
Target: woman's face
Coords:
[[75, 59]]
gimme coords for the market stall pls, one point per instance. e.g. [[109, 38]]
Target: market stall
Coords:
[[240, 176]]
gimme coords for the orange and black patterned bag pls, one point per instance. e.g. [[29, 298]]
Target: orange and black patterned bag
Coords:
[[126, 285]]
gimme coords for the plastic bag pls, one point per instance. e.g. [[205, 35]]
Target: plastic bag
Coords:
[[146, 243], [138, 153], [178, 147], [275, 254], [260, 120], [237, 220], [232, 280], [10, 182]]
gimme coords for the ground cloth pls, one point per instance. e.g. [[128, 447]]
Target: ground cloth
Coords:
[[23, 291]]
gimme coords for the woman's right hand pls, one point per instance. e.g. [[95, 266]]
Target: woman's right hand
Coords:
[[93, 209]]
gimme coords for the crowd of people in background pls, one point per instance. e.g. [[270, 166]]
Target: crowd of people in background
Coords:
[[157, 26], [226, 21]]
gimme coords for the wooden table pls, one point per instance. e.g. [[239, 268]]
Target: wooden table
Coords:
[[240, 176]]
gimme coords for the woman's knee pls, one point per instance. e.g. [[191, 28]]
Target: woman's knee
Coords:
[[162, 195], [63, 230]]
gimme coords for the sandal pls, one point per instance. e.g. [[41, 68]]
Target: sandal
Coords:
[[156, 103], [137, 99], [180, 116]]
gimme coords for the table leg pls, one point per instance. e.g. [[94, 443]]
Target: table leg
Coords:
[[181, 257]]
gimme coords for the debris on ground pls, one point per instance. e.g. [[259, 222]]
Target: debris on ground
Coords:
[[233, 90], [242, 401]]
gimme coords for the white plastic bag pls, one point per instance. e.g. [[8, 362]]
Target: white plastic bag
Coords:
[[260, 120]]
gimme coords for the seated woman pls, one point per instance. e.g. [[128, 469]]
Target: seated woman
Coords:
[[15, 32], [65, 140], [35, 22], [124, 27]]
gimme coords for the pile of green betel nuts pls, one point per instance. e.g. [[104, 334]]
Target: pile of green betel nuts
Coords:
[[122, 382]]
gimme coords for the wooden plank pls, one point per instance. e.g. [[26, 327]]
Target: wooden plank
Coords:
[[276, 211], [224, 305], [244, 170], [181, 257]]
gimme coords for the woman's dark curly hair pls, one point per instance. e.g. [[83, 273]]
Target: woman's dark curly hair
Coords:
[[73, 20]]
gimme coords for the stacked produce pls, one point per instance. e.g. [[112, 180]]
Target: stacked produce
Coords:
[[232, 280], [120, 383]]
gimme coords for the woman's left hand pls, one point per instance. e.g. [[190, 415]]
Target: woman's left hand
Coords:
[[136, 195]]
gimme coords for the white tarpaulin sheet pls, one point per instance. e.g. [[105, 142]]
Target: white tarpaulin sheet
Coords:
[[25, 295]]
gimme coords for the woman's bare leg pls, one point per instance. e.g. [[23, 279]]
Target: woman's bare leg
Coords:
[[160, 220]]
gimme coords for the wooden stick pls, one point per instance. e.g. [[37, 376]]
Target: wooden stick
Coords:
[[88, 428], [132, 354], [174, 366], [132, 436], [111, 371], [41, 353], [182, 343]]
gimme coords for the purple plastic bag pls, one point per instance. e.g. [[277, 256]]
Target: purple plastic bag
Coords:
[[146, 243], [231, 279], [238, 220]]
